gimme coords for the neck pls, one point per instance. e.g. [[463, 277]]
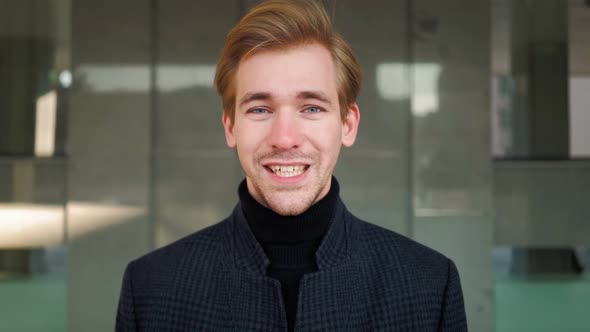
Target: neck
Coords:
[[271, 227]]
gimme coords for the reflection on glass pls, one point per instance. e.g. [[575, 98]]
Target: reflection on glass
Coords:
[[98, 216], [178, 77], [135, 78], [45, 123], [392, 81], [579, 82], [542, 289], [443, 183], [392, 84], [425, 88], [580, 116], [113, 78], [65, 78], [32, 284], [540, 63], [32, 44], [30, 225], [502, 98], [42, 225], [32, 251]]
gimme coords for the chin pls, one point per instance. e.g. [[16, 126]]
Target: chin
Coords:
[[291, 205]]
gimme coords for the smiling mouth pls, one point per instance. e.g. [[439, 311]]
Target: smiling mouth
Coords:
[[287, 171]]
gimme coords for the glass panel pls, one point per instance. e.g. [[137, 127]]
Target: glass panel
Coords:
[[540, 84], [196, 174], [540, 72], [109, 221], [579, 80], [450, 160], [32, 251], [34, 77], [542, 288], [451, 164], [374, 173]]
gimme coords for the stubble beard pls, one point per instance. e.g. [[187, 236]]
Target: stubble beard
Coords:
[[288, 201]]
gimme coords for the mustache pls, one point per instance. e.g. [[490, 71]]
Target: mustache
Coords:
[[286, 156]]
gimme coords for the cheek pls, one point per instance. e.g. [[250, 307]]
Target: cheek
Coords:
[[248, 142], [327, 139]]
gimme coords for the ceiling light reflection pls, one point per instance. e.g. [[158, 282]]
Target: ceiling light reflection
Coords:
[[136, 78], [85, 218], [45, 124], [31, 225], [65, 78], [425, 88], [392, 81], [399, 81], [579, 116], [37, 225]]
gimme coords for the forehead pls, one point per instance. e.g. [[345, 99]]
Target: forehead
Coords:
[[287, 72]]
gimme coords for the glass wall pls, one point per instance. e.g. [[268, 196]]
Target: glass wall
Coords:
[[540, 70], [34, 79], [542, 173]]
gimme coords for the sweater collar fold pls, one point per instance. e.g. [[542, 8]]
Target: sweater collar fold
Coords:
[[271, 227], [333, 249]]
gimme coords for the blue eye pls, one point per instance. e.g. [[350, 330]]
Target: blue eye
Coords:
[[313, 109], [258, 110]]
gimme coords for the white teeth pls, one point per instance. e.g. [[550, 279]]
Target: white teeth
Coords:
[[287, 171]]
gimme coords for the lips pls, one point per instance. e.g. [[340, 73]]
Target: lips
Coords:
[[287, 171]]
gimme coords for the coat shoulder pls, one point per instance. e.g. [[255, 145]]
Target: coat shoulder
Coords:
[[388, 249], [181, 284], [201, 250], [407, 284]]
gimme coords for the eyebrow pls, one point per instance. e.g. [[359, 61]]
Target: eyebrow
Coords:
[[253, 96], [317, 95]]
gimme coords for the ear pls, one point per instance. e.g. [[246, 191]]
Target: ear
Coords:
[[229, 130], [350, 125]]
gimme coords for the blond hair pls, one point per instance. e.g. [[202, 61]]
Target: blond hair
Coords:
[[280, 24]]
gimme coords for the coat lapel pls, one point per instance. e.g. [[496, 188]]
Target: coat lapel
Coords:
[[327, 296], [255, 303], [255, 299], [326, 299]]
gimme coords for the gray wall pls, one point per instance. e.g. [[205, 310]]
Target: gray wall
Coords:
[[452, 170], [109, 172], [542, 204]]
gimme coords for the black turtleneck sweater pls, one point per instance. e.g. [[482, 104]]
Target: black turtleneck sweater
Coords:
[[290, 242]]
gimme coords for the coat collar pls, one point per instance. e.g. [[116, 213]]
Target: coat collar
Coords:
[[248, 254]]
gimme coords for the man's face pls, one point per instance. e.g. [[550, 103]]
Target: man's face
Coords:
[[287, 126]]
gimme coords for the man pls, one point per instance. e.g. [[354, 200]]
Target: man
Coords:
[[290, 256]]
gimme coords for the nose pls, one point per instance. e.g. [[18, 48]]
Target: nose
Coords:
[[285, 133]]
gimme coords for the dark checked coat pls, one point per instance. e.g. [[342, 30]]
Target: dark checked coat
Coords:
[[368, 279]]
